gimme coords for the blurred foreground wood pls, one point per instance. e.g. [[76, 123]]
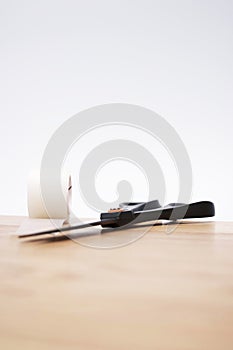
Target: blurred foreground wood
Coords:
[[168, 290]]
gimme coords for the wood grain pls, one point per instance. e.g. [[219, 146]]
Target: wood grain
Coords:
[[165, 291]]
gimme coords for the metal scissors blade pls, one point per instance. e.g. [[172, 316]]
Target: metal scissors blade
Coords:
[[66, 228]]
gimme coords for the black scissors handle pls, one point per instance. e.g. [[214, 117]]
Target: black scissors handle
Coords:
[[173, 211]]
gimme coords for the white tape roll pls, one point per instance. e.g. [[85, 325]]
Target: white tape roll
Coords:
[[59, 209]]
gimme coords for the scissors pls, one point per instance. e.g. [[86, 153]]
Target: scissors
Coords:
[[132, 213]]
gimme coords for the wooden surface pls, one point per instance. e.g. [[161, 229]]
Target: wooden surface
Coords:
[[165, 291]]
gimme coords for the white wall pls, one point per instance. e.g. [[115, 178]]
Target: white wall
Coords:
[[175, 57]]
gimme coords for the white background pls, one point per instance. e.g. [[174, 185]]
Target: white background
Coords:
[[174, 57]]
